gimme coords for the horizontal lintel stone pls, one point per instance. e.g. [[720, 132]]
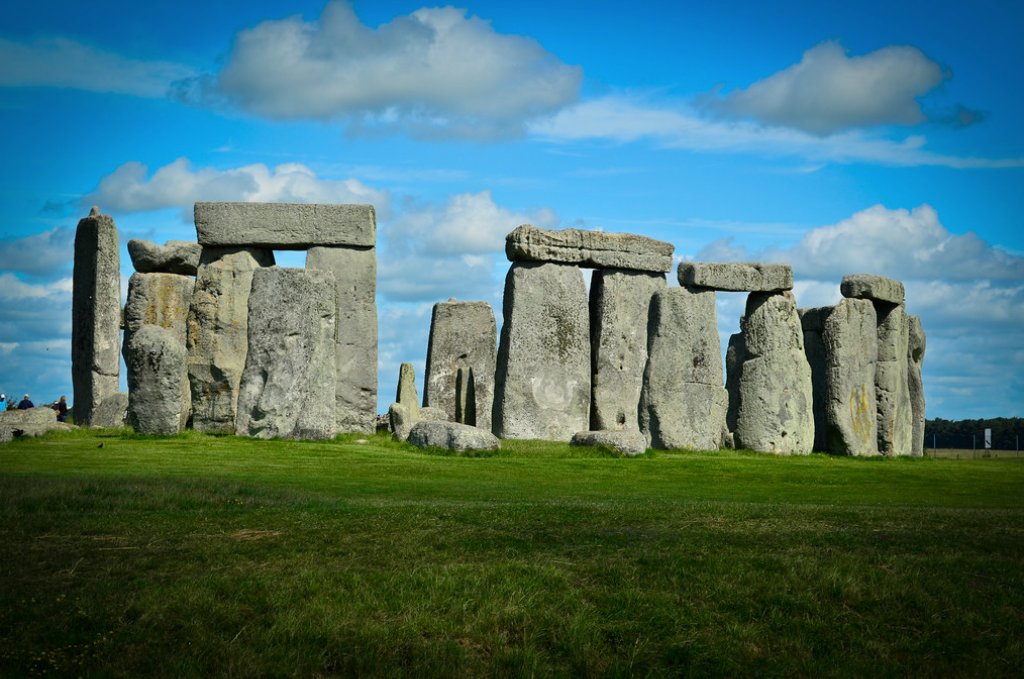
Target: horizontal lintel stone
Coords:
[[736, 276], [870, 286], [595, 249], [285, 226]]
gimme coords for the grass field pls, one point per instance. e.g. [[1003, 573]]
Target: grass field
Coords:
[[197, 555], [969, 453]]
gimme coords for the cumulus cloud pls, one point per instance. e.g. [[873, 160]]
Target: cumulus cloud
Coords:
[[129, 188], [60, 62], [827, 91], [435, 72], [41, 255]]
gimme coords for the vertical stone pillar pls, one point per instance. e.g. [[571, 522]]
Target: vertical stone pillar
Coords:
[[812, 321], [355, 273], [914, 362], [218, 327], [682, 402], [620, 301], [542, 380], [95, 314], [851, 351], [462, 335], [895, 416]]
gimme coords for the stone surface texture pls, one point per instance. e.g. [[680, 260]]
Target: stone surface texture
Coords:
[[435, 414], [287, 387], [915, 360], [465, 398], [218, 333], [355, 388], [542, 378], [112, 411], [775, 412], [176, 256], [870, 286], [406, 394], [736, 276], [285, 226], [892, 389], [683, 403], [32, 422], [95, 314], [592, 249], [812, 320], [620, 301], [462, 335], [155, 359], [630, 443], [851, 351], [452, 436], [399, 422]]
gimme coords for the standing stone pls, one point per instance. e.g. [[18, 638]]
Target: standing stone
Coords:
[[176, 256], [465, 398], [405, 411], [155, 358], [895, 415], [287, 387], [355, 389], [916, 386], [775, 411], [542, 380], [161, 299], [620, 301], [683, 403], [812, 319], [851, 350], [735, 354], [95, 314], [111, 412], [217, 338], [462, 335]]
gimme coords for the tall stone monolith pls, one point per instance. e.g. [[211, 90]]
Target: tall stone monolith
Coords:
[[217, 338], [462, 335], [850, 345], [775, 405], [355, 388], [288, 384], [542, 378], [915, 360], [895, 415], [95, 314], [683, 403], [155, 358], [620, 301]]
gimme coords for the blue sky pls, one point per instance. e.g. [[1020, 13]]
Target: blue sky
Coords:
[[877, 137]]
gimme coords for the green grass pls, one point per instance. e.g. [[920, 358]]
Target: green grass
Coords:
[[217, 556]]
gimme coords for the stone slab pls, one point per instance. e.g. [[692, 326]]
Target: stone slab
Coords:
[[870, 286], [176, 256], [111, 412], [592, 249], [452, 436], [736, 276], [285, 226], [629, 443]]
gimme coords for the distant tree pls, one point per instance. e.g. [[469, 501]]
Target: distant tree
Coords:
[[1006, 431]]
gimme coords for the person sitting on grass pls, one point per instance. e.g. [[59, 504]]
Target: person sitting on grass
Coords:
[[26, 404]]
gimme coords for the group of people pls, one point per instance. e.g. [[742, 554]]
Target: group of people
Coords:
[[60, 406]]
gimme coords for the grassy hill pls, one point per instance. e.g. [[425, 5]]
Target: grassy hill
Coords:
[[198, 555]]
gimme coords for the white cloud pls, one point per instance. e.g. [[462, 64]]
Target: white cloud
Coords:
[[128, 189], [628, 118], [42, 254], [60, 62], [435, 72], [828, 91]]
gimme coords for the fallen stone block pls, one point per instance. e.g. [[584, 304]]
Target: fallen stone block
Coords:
[[869, 286], [628, 443], [736, 276], [452, 436], [32, 422], [176, 256], [285, 226], [592, 249]]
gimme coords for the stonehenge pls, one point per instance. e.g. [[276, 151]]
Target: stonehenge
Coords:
[[219, 338]]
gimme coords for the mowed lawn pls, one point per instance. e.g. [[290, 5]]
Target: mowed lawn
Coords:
[[218, 556]]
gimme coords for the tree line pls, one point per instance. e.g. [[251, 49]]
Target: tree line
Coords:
[[1006, 431]]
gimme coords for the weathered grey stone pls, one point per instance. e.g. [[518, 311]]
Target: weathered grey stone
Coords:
[[595, 249], [112, 411], [683, 403], [95, 314], [462, 335], [452, 436], [869, 286], [176, 256], [434, 415], [285, 226], [163, 300], [775, 406], [892, 389], [287, 386], [406, 393], [30, 423], [736, 276], [399, 421], [155, 359], [915, 360], [620, 301], [631, 442], [465, 398], [542, 379], [355, 393], [734, 357], [6, 433], [812, 320], [217, 339], [851, 350]]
